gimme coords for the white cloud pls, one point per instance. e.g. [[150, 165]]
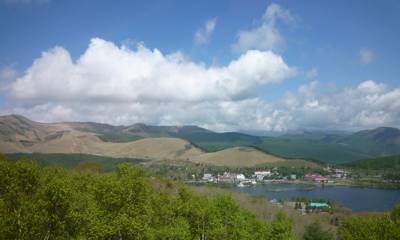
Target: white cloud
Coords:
[[371, 87], [312, 73], [120, 85], [203, 34], [108, 73], [367, 105], [366, 56], [265, 36]]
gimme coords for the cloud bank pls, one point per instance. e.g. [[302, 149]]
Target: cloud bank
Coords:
[[118, 85]]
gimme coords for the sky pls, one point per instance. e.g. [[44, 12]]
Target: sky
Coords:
[[224, 65]]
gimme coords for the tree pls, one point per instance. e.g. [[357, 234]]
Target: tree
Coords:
[[282, 227], [53, 203], [314, 231], [89, 166], [369, 228]]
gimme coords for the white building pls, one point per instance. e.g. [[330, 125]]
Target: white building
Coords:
[[240, 177], [208, 177], [261, 174]]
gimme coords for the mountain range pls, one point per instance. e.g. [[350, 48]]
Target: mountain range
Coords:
[[193, 143], [148, 143]]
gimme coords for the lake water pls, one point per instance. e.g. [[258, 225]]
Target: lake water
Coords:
[[354, 198]]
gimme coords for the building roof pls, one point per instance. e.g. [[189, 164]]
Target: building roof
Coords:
[[318, 205]]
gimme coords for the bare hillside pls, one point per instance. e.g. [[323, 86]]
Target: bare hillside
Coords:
[[237, 156], [19, 134]]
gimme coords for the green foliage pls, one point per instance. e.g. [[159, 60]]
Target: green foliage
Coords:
[[89, 166], [381, 163], [289, 146], [54, 203], [71, 161], [314, 231], [388, 167], [282, 227], [386, 227]]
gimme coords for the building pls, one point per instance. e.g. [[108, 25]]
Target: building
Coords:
[[259, 175], [226, 178], [317, 205], [340, 173], [240, 177], [316, 178], [208, 177]]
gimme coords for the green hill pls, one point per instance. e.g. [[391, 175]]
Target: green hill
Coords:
[[377, 142], [390, 163], [70, 161]]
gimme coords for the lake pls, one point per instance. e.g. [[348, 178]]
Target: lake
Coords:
[[354, 198]]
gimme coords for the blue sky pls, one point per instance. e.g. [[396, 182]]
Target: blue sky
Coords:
[[322, 38]]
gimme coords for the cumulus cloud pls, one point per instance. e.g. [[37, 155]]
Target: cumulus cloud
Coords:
[[203, 34], [108, 73], [367, 105], [120, 85], [265, 36], [366, 56]]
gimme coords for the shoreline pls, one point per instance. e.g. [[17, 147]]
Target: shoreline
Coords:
[[309, 184]]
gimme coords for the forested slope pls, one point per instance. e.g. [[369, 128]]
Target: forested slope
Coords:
[[52, 203]]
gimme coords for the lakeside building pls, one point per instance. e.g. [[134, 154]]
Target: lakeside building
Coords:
[[226, 178], [259, 175], [208, 177], [316, 178], [340, 173], [240, 177], [316, 206]]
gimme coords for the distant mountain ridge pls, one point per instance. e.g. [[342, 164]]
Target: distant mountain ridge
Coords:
[[139, 141], [18, 132]]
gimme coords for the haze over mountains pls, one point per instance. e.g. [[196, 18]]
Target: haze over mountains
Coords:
[[19, 134]]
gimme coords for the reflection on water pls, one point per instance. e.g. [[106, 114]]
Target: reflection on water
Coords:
[[357, 199]]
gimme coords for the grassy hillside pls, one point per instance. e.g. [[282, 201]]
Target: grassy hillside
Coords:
[[237, 157], [211, 141], [19, 134]]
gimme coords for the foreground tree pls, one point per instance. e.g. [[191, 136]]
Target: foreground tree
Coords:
[[314, 231], [386, 227], [53, 203], [282, 227]]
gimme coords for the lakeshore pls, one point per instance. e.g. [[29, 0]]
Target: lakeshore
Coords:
[[355, 198]]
